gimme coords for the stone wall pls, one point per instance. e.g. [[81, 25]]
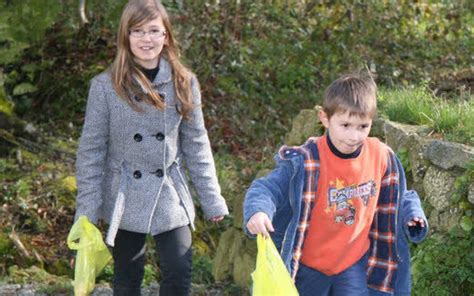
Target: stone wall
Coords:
[[434, 167]]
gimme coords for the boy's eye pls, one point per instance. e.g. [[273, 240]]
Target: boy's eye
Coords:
[[345, 125], [364, 126]]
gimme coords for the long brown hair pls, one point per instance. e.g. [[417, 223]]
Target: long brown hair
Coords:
[[128, 79]]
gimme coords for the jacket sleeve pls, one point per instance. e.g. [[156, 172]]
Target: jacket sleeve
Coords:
[[196, 149], [410, 207], [268, 193], [91, 154]]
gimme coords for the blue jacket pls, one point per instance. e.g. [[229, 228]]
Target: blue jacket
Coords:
[[279, 195]]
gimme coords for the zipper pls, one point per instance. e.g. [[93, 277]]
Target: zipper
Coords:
[[285, 237]]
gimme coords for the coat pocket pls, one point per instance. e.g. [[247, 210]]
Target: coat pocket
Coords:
[[110, 189]]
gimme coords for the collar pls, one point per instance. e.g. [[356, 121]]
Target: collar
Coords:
[[339, 153], [164, 74], [151, 73]]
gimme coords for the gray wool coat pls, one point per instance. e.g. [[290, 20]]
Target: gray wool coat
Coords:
[[129, 165]]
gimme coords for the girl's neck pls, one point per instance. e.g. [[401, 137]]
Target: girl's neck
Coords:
[[152, 64], [150, 73]]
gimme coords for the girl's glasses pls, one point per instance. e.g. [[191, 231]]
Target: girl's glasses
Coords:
[[154, 33]]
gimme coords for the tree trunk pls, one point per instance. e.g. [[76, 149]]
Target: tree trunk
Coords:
[[82, 12]]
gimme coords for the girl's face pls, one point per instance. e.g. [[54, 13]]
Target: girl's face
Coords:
[[146, 42]]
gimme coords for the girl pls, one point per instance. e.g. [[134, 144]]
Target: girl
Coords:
[[143, 117]]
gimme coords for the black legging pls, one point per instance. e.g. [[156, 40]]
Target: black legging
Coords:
[[174, 250]]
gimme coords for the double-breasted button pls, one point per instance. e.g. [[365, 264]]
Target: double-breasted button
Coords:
[[160, 136], [138, 99], [159, 173], [137, 174], [138, 137], [162, 96]]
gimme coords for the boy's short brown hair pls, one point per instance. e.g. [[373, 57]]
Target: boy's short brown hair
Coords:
[[354, 92]]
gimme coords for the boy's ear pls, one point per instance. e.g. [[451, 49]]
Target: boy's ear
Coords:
[[323, 117]]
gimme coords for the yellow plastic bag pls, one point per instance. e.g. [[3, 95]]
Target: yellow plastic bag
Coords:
[[92, 255], [271, 276]]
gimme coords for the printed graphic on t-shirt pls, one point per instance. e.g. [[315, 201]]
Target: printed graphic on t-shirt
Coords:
[[341, 199]]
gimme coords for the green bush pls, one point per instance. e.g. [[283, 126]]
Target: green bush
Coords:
[[259, 64], [202, 270], [255, 59], [442, 265], [31, 18]]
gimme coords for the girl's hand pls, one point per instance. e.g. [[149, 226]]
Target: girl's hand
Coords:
[[260, 223], [72, 259], [416, 221], [217, 219]]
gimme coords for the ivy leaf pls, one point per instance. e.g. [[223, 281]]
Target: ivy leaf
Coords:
[[24, 88], [466, 223]]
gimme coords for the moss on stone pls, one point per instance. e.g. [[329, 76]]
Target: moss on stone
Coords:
[[224, 255], [6, 245], [306, 124], [6, 106], [237, 210], [34, 274], [69, 183]]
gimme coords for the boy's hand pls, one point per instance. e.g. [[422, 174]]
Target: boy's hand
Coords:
[[416, 222], [415, 226], [260, 223]]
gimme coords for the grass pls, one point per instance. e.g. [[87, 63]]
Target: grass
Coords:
[[453, 118]]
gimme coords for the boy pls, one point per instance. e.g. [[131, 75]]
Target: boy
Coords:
[[337, 207]]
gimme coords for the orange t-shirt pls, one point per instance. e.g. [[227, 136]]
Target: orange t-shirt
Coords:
[[347, 193]]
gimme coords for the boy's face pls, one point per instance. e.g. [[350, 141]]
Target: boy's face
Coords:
[[347, 132]]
